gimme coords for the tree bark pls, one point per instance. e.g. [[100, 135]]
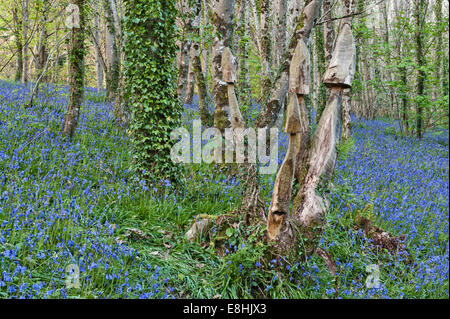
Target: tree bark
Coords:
[[99, 66], [18, 41], [348, 8], [42, 47], [280, 40], [222, 20], [76, 73], [309, 209], [419, 12], [112, 50], [265, 45], [25, 26]]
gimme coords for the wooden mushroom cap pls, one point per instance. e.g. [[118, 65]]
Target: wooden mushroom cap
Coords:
[[228, 68], [341, 69], [299, 70]]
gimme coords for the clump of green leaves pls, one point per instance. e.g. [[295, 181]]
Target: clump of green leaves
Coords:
[[345, 147]]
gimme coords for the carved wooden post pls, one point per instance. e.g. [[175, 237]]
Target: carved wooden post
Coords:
[[310, 209], [297, 124], [229, 76], [299, 86]]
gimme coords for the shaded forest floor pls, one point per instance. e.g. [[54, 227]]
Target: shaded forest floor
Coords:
[[78, 203]]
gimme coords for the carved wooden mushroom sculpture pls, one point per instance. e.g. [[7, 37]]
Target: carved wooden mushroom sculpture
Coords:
[[229, 76], [310, 208], [297, 124], [299, 86]]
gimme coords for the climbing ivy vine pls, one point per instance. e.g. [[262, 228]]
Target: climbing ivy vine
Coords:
[[150, 85]]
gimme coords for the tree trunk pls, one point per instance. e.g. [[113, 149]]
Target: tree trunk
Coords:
[[297, 122], [265, 46], [199, 77], [280, 40], [42, 47], [76, 73], [99, 66], [25, 25], [346, 100], [18, 40], [112, 51], [274, 105], [190, 78], [242, 49], [314, 166], [419, 10], [222, 20]]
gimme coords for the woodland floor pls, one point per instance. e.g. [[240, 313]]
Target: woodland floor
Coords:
[[78, 203]]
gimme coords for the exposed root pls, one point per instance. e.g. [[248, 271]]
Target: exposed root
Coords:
[[382, 239], [332, 267]]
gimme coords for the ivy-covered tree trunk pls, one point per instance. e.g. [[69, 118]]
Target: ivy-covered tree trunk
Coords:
[[76, 72], [150, 85]]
